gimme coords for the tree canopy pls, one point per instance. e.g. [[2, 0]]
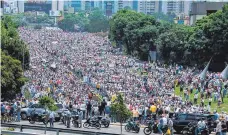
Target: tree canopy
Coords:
[[188, 45], [11, 43], [11, 76], [12, 51], [94, 21]]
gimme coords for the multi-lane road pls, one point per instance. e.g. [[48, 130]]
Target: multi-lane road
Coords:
[[113, 128]]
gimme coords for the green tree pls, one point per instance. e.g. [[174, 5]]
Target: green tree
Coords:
[[11, 43], [97, 21], [164, 17], [71, 20], [173, 43], [119, 108], [11, 76], [49, 104]]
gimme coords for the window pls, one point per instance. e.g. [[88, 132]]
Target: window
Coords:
[[182, 117], [34, 106], [190, 117]]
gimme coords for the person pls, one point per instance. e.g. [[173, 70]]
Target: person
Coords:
[[170, 125], [226, 119], [3, 110], [200, 126], [80, 115], [89, 109], [18, 112], [103, 104], [51, 118], [162, 123], [218, 129], [107, 111], [223, 127], [216, 115], [153, 110]]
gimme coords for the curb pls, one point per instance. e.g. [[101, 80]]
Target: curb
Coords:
[[118, 124]]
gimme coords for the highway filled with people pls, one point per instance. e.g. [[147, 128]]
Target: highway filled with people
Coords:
[[83, 73]]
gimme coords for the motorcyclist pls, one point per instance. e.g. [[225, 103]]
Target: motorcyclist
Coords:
[[162, 123], [200, 126]]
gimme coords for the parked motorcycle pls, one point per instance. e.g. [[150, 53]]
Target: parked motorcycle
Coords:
[[132, 126], [92, 122], [190, 129], [63, 116], [38, 117], [104, 121]]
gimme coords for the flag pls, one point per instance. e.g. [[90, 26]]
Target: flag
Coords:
[[224, 73], [202, 75]]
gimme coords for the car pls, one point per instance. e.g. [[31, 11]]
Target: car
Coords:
[[183, 119], [25, 112]]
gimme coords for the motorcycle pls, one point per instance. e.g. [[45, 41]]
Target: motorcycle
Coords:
[[191, 127], [104, 121], [151, 127], [38, 117], [92, 122], [63, 116], [132, 126], [75, 120]]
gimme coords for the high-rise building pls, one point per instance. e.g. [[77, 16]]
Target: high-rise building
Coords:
[[148, 7], [77, 5], [176, 6], [57, 5], [13, 6]]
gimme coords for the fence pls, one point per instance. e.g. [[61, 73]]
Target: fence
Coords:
[[57, 130]]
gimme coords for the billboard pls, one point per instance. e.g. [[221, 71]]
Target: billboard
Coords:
[[55, 13]]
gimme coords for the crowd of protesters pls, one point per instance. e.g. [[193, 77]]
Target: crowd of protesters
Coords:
[[70, 66]]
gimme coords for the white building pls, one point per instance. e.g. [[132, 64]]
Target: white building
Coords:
[[176, 6], [148, 6], [13, 6], [57, 5]]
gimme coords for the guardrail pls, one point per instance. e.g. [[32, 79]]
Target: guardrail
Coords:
[[57, 130]]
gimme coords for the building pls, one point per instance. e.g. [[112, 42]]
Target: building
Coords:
[[13, 6], [200, 9], [77, 5], [148, 7], [44, 6], [57, 5], [176, 6]]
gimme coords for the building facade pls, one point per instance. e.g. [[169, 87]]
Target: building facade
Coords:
[[176, 6], [200, 9]]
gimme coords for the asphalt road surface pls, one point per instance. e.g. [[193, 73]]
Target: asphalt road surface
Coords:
[[113, 128]]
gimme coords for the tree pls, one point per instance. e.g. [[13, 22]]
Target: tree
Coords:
[[174, 41], [49, 104], [118, 107], [11, 76], [71, 20], [97, 21], [136, 31], [164, 17], [11, 43]]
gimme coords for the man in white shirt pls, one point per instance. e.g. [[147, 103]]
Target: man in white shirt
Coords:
[[201, 125], [51, 118]]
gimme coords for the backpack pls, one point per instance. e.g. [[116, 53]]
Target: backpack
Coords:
[[170, 123]]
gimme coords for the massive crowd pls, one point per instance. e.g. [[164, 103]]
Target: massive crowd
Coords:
[[69, 66]]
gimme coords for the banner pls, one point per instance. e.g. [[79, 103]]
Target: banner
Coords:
[[224, 73], [202, 75]]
